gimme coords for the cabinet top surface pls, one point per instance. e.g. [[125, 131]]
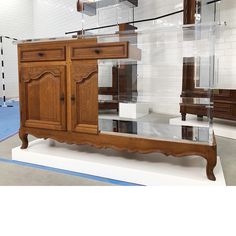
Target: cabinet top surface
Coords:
[[47, 40], [158, 33]]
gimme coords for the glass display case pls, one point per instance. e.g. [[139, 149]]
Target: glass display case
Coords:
[[140, 95], [129, 89]]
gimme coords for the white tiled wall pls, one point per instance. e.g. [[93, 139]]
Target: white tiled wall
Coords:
[[16, 20], [226, 47], [54, 17]]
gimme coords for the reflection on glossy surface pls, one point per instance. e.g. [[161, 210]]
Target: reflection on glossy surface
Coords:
[[155, 130]]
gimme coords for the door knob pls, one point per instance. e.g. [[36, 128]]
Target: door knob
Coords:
[[62, 98], [73, 98]]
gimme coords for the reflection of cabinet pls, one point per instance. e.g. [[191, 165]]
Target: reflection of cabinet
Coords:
[[124, 77], [59, 99], [225, 104]]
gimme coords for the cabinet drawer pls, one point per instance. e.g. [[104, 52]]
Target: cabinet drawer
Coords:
[[100, 51], [48, 54]]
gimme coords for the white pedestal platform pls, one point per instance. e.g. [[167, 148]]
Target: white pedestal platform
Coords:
[[151, 170], [222, 128]]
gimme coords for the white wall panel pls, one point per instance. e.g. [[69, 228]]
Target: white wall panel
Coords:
[[54, 17], [16, 20], [226, 47]]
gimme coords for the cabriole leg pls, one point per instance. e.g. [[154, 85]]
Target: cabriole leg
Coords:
[[24, 139], [211, 163]]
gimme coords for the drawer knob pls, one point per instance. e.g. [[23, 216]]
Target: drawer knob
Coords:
[[97, 51], [40, 54]]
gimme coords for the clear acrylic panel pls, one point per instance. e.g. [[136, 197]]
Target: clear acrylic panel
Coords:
[[170, 71], [102, 13]]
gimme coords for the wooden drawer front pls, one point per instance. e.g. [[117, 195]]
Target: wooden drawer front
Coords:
[[51, 54], [222, 107], [100, 51]]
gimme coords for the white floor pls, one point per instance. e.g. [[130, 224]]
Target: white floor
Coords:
[[222, 128], [152, 169]]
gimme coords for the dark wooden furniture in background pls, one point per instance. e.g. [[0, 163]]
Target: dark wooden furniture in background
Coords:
[[224, 101], [59, 99], [224, 104]]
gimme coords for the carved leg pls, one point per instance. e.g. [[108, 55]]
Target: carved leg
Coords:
[[183, 116], [24, 138], [211, 163]]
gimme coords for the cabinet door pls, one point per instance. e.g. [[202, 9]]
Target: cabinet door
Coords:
[[43, 102], [84, 96]]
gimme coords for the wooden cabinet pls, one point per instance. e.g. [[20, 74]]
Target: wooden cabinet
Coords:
[[59, 100], [59, 83]]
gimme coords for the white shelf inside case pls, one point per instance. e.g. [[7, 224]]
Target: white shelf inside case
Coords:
[[133, 110]]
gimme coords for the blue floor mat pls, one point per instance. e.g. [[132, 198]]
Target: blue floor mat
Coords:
[[9, 120]]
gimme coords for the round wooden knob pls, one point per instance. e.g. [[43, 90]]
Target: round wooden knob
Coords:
[[40, 54], [73, 98], [97, 51]]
